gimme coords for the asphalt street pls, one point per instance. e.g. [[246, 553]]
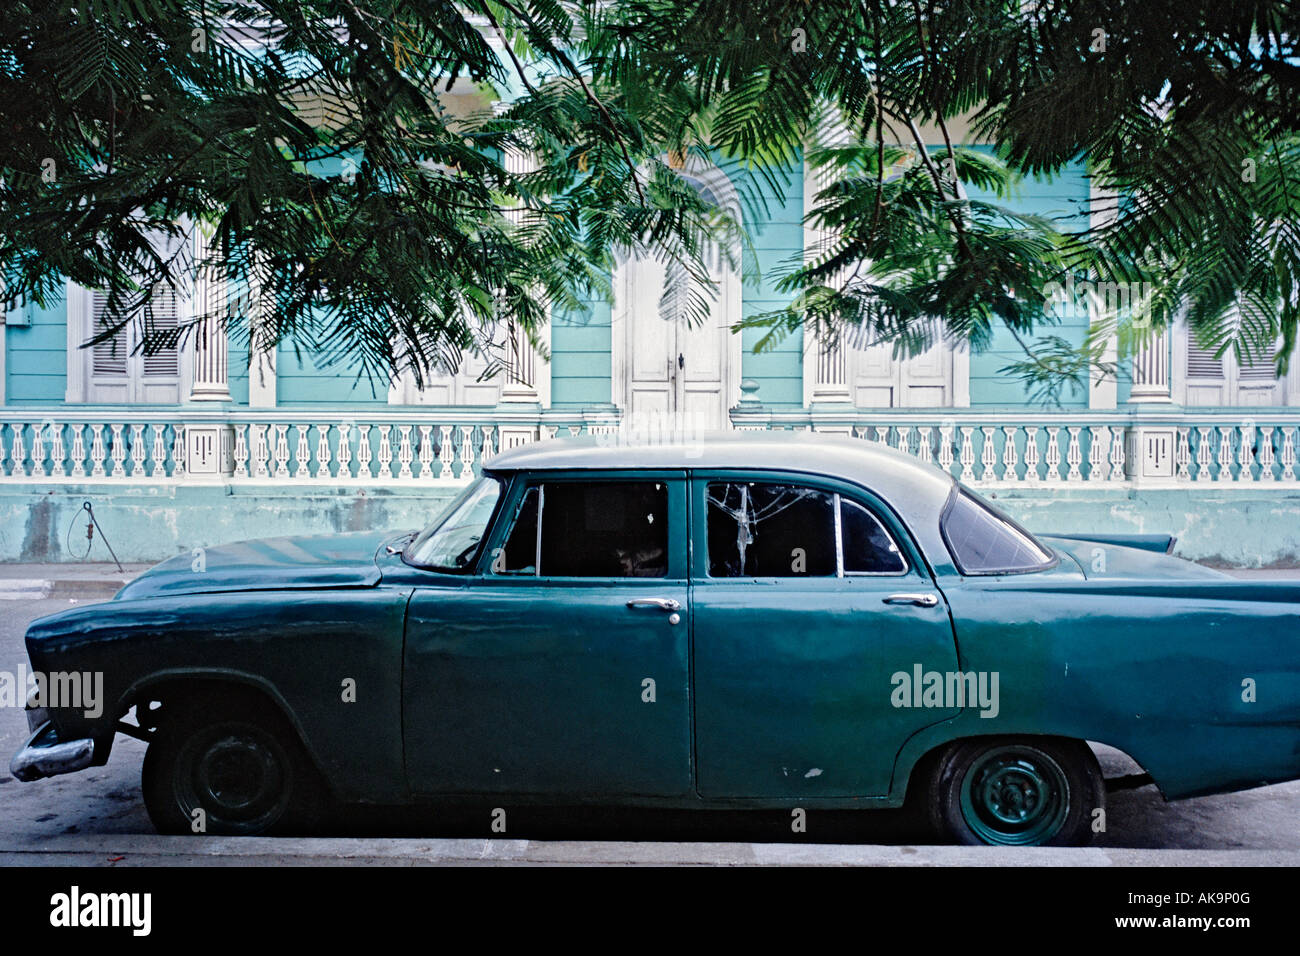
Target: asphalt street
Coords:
[[97, 816]]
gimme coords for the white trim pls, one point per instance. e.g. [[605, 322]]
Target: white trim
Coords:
[[1103, 391]]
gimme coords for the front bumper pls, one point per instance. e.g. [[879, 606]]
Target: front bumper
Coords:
[[45, 755]]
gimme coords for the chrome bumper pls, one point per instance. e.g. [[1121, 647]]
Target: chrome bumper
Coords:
[[44, 755]]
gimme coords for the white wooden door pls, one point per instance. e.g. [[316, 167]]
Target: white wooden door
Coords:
[[1225, 381], [878, 380], [678, 373], [120, 370]]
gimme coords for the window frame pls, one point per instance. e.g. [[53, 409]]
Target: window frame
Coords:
[[915, 564], [956, 492], [508, 514]]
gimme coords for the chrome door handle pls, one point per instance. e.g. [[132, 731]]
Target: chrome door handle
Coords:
[[923, 600], [663, 604]]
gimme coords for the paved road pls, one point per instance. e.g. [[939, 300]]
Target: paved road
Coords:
[[97, 814]]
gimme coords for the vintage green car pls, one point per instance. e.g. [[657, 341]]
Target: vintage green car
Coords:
[[756, 621]]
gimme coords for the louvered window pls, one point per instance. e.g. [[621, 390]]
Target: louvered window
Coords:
[[1201, 362], [118, 368]]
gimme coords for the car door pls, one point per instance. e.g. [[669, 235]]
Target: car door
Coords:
[[808, 602], [560, 666]]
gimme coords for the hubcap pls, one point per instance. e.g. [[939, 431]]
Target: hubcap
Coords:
[[238, 776], [1015, 796]]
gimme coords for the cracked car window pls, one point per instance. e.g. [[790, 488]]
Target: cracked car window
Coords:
[[762, 529]]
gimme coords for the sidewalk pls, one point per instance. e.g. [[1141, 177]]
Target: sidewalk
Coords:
[[100, 581], [96, 581]]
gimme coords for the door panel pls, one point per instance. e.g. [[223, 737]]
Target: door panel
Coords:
[[794, 676], [519, 684]]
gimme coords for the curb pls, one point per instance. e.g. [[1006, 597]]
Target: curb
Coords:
[[37, 589]]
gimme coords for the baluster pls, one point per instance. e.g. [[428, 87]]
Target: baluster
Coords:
[[323, 455], [923, 449], [97, 450], [18, 452], [178, 449], [404, 455], [1031, 454], [1117, 454], [945, 448], [1053, 457], [385, 452], [137, 451], [1010, 454], [1266, 453], [1183, 455], [58, 455], [967, 454], [466, 452], [1203, 454], [1225, 453], [1288, 453], [1074, 454], [988, 456], [549, 431], [281, 451], [487, 452], [241, 451], [119, 452], [302, 453], [882, 434], [78, 451], [1246, 453], [38, 451], [261, 452], [426, 452], [1097, 452], [903, 438], [446, 454], [364, 454], [345, 450]]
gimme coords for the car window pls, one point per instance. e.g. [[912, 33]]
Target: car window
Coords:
[[614, 529], [868, 547], [452, 543], [769, 529], [762, 529], [984, 541]]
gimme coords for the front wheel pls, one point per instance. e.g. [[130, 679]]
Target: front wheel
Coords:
[[1017, 791], [231, 771]]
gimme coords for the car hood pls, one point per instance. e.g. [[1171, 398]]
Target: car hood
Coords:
[[317, 561], [1128, 556]]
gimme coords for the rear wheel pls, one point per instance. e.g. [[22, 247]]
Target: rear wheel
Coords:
[[219, 768], [1017, 791]]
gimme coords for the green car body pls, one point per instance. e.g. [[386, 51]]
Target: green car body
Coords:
[[405, 684]]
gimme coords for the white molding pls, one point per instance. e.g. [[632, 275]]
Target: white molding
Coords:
[[1103, 392], [76, 312]]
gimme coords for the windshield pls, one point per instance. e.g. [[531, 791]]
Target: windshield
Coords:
[[452, 542], [985, 541]]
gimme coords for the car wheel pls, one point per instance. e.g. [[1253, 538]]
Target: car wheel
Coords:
[[213, 769], [1017, 791]]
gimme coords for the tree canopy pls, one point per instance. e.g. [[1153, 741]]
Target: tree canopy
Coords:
[[320, 144]]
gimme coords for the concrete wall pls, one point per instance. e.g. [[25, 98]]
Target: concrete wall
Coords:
[[1241, 528]]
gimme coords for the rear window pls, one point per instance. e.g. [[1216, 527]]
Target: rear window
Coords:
[[985, 541]]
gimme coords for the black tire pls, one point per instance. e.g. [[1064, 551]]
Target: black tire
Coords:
[[1016, 791], [237, 760]]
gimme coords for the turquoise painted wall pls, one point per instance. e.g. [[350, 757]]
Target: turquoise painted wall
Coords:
[[1064, 199], [36, 364], [1241, 527], [778, 248], [580, 356]]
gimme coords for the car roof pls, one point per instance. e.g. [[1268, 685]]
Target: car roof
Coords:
[[916, 491]]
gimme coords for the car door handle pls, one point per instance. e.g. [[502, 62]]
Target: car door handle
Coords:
[[923, 600], [663, 604]]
